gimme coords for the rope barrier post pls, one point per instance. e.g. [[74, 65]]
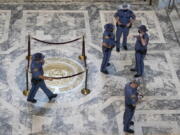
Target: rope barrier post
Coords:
[[150, 2], [28, 57], [83, 56], [85, 90]]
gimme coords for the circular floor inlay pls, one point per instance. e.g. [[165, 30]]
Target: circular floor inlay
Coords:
[[56, 67]]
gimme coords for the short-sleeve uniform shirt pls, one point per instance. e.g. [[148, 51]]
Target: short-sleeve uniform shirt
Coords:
[[36, 69]]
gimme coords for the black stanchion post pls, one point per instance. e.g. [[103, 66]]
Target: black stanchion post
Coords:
[[83, 56], [150, 2], [85, 90], [28, 57]]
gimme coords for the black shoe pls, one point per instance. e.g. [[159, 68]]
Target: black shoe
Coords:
[[117, 49], [53, 96], [136, 75], [125, 47], [133, 69], [131, 123], [32, 101], [108, 64], [130, 131], [105, 72]]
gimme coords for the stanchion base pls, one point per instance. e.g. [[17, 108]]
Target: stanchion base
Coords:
[[82, 57], [85, 91], [25, 92], [28, 57]]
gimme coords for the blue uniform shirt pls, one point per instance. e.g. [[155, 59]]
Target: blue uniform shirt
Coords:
[[36, 69], [125, 16], [111, 38], [139, 46], [131, 95]]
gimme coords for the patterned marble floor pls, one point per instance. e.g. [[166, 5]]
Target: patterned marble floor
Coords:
[[100, 112]]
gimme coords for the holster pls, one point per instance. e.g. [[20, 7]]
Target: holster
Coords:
[[106, 46], [123, 26], [131, 107], [36, 81], [143, 52]]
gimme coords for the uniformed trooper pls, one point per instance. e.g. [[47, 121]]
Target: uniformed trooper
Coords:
[[131, 99], [107, 46], [124, 18], [140, 50], [38, 78]]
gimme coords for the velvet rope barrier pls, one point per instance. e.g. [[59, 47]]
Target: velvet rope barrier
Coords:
[[51, 43], [70, 76]]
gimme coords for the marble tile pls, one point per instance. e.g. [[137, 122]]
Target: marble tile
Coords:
[[6, 129], [176, 63], [159, 131], [71, 23], [4, 25]]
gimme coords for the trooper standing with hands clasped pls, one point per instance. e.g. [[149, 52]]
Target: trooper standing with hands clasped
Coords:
[[140, 50], [107, 46], [38, 78], [124, 18], [131, 99]]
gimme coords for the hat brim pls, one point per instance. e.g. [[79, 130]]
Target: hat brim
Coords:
[[122, 7], [37, 59], [145, 30]]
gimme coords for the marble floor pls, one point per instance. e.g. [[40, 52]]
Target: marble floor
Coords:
[[100, 112]]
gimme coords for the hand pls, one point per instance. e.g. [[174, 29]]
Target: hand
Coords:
[[140, 97], [49, 78], [128, 25], [141, 35], [135, 36]]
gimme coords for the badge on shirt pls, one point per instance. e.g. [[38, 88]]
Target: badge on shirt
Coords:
[[133, 96], [35, 69]]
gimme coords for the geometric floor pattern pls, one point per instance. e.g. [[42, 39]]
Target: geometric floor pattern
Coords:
[[100, 112]]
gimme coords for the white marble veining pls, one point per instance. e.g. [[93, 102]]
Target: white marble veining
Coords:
[[4, 24]]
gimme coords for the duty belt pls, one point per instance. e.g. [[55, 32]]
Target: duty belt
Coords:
[[123, 26]]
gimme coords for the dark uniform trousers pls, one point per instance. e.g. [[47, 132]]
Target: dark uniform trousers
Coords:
[[128, 114], [139, 57], [106, 57], [36, 84], [119, 32]]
